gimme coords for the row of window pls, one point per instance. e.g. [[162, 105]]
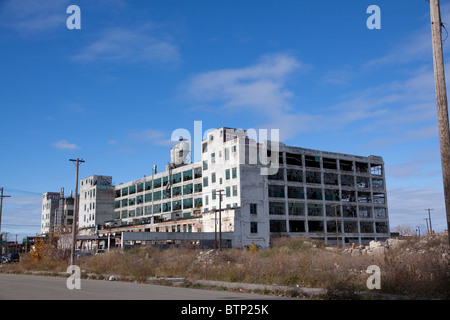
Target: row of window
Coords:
[[278, 191], [159, 182], [328, 226], [168, 206], [312, 177], [315, 210], [310, 161]]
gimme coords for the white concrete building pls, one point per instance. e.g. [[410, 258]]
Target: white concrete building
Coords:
[[309, 193], [96, 201], [50, 205]]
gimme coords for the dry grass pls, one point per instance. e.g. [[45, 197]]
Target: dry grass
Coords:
[[416, 269]]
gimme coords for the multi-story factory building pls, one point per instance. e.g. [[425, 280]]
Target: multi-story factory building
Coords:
[[309, 193]]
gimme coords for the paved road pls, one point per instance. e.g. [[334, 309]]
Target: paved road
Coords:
[[26, 287]]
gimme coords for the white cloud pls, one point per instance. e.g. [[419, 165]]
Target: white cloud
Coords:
[[131, 45], [65, 145], [33, 16]]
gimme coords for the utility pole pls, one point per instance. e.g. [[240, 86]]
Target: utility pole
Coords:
[[75, 211], [428, 230], [429, 218], [441, 99], [220, 219], [1, 206]]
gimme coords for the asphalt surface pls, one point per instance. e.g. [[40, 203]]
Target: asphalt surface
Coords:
[[27, 287]]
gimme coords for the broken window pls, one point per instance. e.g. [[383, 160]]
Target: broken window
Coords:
[[332, 194], [124, 191], [362, 167], [378, 198], [376, 169], [347, 180], [176, 178], [378, 183], [148, 185], [187, 189], [315, 226], [329, 163], [253, 227], [157, 195], [380, 213], [131, 201], [296, 193], [176, 191], [332, 211], [157, 208], [331, 179], [296, 209], [276, 191], [315, 210], [140, 187], [313, 177], [132, 190], [364, 197], [350, 226], [117, 193], [198, 187], [166, 194], [346, 165], [124, 214], [312, 161], [366, 227], [349, 211], [331, 226], [117, 204], [167, 206], [131, 214], [314, 193], [294, 175], [124, 202], [277, 225], [362, 182], [176, 205], [294, 159], [277, 176], [148, 210], [277, 208], [139, 199], [381, 227], [187, 175], [197, 173], [198, 202], [348, 196], [365, 212], [187, 203], [297, 226], [157, 183]]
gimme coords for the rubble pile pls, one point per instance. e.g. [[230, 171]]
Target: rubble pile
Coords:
[[374, 247]]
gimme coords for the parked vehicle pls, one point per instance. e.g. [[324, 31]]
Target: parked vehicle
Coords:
[[13, 257]]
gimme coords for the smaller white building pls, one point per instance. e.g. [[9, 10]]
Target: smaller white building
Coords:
[[96, 201], [50, 205]]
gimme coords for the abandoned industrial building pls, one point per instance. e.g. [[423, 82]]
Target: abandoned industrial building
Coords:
[[227, 197]]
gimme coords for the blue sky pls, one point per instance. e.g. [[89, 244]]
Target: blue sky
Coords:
[[113, 92]]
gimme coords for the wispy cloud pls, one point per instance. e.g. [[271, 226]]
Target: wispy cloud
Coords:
[[64, 145], [137, 45], [33, 16]]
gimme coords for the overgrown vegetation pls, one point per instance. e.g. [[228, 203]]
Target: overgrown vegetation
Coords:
[[417, 268]]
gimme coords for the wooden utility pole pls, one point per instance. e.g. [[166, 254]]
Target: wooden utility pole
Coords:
[[429, 219], [441, 99], [1, 206], [75, 211]]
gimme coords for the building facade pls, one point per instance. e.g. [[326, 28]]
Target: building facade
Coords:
[[57, 212], [334, 197]]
